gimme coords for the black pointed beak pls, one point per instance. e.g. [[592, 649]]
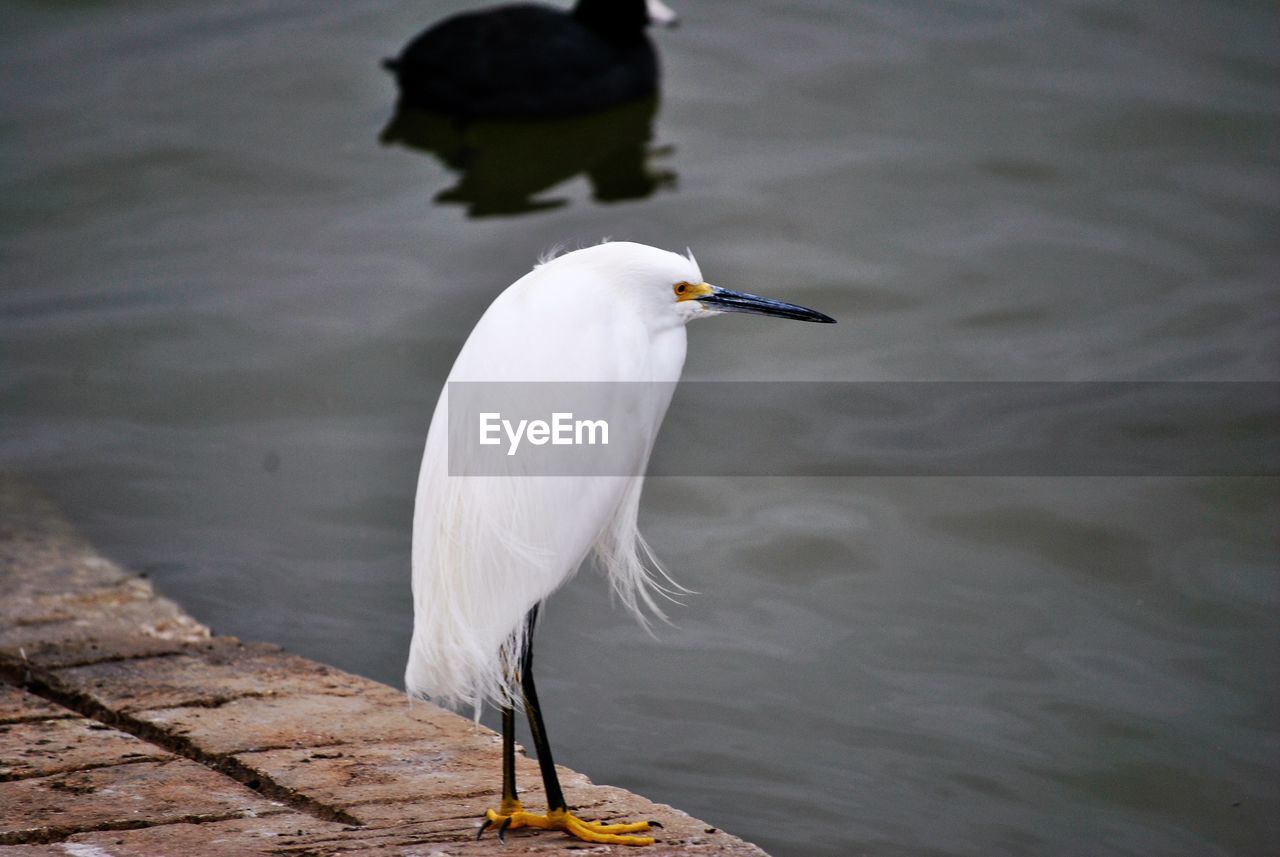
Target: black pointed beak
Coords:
[[726, 300]]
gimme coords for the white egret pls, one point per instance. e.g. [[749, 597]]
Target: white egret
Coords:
[[487, 550]]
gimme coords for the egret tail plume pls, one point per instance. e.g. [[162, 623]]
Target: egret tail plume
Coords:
[[635, 573]]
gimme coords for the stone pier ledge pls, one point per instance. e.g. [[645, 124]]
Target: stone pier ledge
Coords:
[[126, 728]]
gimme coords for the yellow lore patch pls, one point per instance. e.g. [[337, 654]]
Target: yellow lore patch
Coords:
[[691, 291]]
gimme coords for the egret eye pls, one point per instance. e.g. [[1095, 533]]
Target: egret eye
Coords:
[[681, 288]]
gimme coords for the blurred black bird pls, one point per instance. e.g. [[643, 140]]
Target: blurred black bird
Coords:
[[533, 62]]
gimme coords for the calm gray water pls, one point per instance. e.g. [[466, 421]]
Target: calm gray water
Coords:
[[228, 305]]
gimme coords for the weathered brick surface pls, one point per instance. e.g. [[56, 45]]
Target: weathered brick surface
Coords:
[[126, 610], [43, 747], [146, 793], [303, 720], [274, 834], [205, 674], [96, 645], [58, 589], [126, 729], [17, 705], [290, 834], [421, 771]]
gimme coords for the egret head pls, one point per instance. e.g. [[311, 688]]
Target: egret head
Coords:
[[696, 300], [666, 286]]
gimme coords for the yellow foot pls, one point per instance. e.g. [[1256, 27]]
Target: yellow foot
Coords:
[[512, 816]]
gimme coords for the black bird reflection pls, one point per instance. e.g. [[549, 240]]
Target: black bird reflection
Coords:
[[504, 164]]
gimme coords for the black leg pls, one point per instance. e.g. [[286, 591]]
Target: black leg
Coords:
[[510, 800], [508, 755], [510, 815], [550, 782]]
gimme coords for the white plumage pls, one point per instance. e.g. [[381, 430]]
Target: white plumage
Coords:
[[486, 549], [490, 545]]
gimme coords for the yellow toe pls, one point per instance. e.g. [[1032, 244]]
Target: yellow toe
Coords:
[[511, 816], [601, 827], [589, 831]]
